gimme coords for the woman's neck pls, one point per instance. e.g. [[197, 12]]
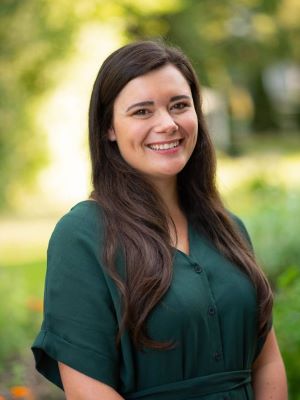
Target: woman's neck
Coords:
[[178, 225], [168, 192]]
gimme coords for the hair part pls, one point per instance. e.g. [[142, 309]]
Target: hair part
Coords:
[[135, 218]]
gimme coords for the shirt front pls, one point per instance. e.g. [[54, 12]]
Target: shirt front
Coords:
[[209, 312]]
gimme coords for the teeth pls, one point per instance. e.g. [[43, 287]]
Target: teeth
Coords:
[[164, 146]]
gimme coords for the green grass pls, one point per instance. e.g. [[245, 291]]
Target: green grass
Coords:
[[21, 293]]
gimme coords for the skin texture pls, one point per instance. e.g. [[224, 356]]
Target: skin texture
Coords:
[[160, 119], [268, 374], [78, 386]]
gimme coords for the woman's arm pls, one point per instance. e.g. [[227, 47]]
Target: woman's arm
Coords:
[[78, 386], [268, 372]]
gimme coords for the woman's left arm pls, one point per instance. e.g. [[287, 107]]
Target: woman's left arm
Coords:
[[268, 372]]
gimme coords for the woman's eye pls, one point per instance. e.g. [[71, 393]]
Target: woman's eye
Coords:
[[180, 106], [141, 112]]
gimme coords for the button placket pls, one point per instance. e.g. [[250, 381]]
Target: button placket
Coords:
[[215, 345], [217, 356], [211, 311], [216, 349], [198, 268]]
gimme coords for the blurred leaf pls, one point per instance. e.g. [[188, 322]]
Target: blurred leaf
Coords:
[[287, 324], [288, 277]]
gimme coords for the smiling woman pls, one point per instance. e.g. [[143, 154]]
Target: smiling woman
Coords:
[[152, 288], [155, 123]]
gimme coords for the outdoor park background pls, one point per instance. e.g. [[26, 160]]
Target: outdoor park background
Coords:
[[247, 56]]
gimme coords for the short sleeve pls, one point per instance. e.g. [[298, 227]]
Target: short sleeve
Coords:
[[241, 226], [80, 323]]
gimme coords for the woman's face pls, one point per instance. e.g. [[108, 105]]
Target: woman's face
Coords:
[[155, 123]]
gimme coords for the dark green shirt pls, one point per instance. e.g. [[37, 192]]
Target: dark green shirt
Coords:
[[210, 311]]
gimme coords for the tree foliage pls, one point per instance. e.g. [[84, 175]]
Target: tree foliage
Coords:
[[30, 42], [229, 42], [232, 42], [34, 36]]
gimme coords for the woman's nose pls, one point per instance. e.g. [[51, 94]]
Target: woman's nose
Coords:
[[165, 123]]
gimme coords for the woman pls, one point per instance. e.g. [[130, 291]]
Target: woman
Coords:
[[152, 288]]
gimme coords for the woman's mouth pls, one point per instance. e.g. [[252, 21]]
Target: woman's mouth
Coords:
[[165, 146]]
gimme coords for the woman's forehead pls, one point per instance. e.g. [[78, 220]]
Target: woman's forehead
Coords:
[[165, 81]]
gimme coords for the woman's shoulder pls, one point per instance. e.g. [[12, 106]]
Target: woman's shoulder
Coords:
[[84, 213], [236, 219], [239, 223], [83, 221], [86, 209]]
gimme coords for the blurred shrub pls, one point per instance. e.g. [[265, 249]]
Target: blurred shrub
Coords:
[[270, 213], [20, 313], [287, 323]]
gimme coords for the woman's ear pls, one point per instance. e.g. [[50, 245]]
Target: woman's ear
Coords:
[[111, 135]]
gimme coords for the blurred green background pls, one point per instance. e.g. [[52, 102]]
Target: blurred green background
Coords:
[[247, 57]]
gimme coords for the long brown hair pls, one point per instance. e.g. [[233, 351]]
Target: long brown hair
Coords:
[[135, 218]]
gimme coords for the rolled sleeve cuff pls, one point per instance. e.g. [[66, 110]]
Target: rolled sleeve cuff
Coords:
[[49, 348]]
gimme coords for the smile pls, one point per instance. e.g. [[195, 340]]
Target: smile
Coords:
[[164, 146]]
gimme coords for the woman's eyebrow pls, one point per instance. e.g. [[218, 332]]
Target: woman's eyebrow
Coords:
[[141, 104], [151, 103], [180, 97]]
